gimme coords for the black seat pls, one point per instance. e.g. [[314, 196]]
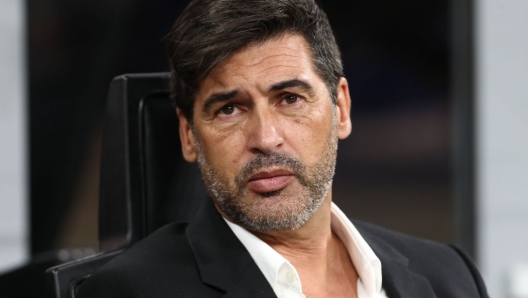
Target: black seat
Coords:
[[145, 183]]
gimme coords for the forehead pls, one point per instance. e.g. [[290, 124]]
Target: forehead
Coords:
[[259, 66]]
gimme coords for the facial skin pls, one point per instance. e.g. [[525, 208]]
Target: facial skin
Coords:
[[265, 135]]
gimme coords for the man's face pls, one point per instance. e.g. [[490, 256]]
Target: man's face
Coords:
[[265, 135]]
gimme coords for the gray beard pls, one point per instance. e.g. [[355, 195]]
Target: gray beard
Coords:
[[272, 212]]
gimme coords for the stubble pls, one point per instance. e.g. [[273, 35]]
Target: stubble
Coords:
[[279, 210]]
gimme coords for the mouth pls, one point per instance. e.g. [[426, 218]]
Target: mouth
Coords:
[[270, 181]]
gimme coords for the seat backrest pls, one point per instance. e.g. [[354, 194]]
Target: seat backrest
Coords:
[[145, 182]]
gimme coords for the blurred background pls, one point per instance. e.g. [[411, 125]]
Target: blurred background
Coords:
[[439, 147]]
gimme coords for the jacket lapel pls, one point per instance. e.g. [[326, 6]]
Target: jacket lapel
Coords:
[[222, 259], [398, 280]]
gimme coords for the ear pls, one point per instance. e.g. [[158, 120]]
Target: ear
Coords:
[[186, 137], [343, 106]]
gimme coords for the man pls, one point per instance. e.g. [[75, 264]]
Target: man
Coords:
[[262, 102]]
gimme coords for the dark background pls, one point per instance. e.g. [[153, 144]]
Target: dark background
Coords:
[[395, 169]]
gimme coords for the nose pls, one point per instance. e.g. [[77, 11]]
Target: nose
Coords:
[[264, 133]]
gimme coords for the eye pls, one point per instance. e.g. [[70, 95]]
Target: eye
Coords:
[[228, 109], [290, 99]]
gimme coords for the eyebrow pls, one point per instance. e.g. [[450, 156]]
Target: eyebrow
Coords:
[[218, 97], [291, 83]]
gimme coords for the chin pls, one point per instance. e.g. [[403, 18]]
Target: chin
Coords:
[[271, 211]]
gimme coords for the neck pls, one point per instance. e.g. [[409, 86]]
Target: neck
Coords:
[[320, 258], [312, 247], [314, 238]]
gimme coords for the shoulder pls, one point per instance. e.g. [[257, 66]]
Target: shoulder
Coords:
[[161, 265], [412, 246], [446, 267], [415, 250]]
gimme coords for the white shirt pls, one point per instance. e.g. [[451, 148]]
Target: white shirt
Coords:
[[285, 280]]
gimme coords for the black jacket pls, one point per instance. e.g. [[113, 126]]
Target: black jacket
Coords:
[[205, 259]]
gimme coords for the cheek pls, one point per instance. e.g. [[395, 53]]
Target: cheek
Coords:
[[308, 135], [224, 151]]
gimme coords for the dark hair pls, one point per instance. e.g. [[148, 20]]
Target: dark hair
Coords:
[[209, 31]]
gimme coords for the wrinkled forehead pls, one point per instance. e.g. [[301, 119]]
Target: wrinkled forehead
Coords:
[[261, 65], [288, 53]]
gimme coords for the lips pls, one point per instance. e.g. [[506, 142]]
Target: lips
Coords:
[[268, 181]]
